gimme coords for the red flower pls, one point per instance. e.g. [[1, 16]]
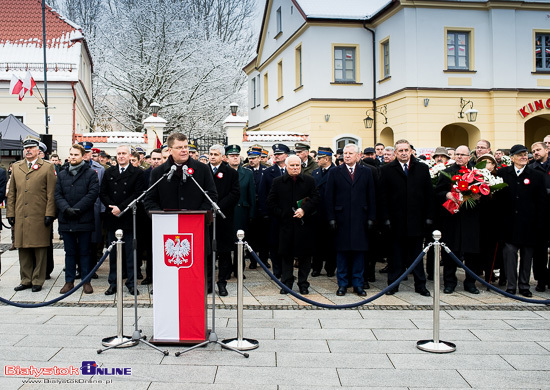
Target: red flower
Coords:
[[484, 189], [475, 190], [457, 177], [468, 177], [462, 170], [462, 185]]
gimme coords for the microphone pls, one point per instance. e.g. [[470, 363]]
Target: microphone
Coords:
[[171, 173], [185, 169]]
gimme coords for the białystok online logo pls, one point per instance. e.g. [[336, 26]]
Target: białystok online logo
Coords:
[[88, 368]]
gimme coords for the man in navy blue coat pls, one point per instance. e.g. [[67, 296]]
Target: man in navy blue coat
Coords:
[[351, 211]]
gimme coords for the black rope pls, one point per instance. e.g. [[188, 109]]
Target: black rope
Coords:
[[346, 306], [85, 279], [490, 286]]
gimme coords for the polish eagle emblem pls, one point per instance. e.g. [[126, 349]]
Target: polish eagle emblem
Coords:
[[177, 250]]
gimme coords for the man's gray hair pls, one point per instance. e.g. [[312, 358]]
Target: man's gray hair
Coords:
[[219, 148], [354, 146], [125, 146], [389, 148], [287, 160]]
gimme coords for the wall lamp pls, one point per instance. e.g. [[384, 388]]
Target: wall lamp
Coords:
[[327, 117], [471, 113], [382, 110], [234, 107]]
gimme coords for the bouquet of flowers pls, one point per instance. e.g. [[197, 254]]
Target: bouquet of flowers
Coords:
[[505, 161], [436, 169], [470, 184]]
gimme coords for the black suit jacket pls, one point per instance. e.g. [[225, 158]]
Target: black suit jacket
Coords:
[[406, 200], [120, 190]]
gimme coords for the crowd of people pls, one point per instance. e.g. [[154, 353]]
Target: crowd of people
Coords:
[[306, 210]]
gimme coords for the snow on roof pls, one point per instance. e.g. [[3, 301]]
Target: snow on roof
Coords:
[[343, 9], [21, 42]]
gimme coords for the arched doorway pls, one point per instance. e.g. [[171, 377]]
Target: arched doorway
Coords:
[[535, 129], [386, 136], [457, 134]]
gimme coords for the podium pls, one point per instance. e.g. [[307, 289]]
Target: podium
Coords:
[[179, 277]]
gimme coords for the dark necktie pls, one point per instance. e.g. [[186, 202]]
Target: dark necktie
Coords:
[[30, 166], [282, 171], [215, 169], [405, 169], [122, 170]]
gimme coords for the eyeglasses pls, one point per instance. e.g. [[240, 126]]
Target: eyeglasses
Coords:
[[481, 147]]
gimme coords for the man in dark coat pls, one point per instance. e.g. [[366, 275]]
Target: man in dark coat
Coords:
[[406, 209], [323, 253], [460, 231], [76, 191], [523, 207], [246, 207], [541, 271], [293, 200], [226, 180], [308, 163], [351, 210], [257, 236], [280, 153], [120, 186]]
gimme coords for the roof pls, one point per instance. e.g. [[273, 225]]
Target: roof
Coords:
[[21, 46], [12, 133], [346, 9]]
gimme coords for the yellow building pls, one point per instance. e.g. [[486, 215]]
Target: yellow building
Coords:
[[417, 68]]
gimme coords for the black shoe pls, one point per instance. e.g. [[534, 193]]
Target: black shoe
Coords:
[[48, 277], [133, 290], [209, 289], [94, 276], [359, 291], [222, 290], [366, 285], [111, 290], [21, 287], [304, 290], [511, 291], [330, 274], [384, 270], [526, 293], [471, 290], [147, 280], [540, 288], [278, 276], [502, 281], [253, 266], [449, 290], [283, 291], [36, 288], [423, 291], [314, 274], [392, 291], [341, 291]]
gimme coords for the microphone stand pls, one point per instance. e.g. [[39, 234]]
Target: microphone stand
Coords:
[[213, 337], [137, 337]]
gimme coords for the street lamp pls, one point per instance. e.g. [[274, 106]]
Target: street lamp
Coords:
[[369, 122], [155, 107], [234, 107], [471, 113]]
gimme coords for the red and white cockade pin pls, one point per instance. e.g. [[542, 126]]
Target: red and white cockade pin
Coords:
[[190, 171], [35, 166], [526, 181], [220, 175]]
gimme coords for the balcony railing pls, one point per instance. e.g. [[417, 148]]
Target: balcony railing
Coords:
[[51, 67]]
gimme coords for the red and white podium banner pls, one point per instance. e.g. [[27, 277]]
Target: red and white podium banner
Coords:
[[179, 299]]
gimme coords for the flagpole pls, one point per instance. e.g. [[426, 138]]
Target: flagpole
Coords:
[[45, 100]]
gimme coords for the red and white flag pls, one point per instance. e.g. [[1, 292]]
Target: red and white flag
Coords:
[[29, 83], [16, 87]]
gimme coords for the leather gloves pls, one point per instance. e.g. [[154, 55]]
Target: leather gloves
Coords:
[[71, 213], [11, 220], [48, 220]]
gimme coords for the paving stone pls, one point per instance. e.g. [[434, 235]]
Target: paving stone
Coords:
[[513, 335], [398, 377], [41, 329], [297, 314], [304, 323], [492, 315], [214, 355], [506, 379], [449, 361], [531, 324], [294, 345], [422, 334], [332, 360], [275, 375], [464, 324], [322, 334], [12, 354], [199, 386], [367, 324], [529, 362]]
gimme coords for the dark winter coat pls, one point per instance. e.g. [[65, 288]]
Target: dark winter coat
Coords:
[[351, 203], [321, 179], [296, 235], [120, 190], [265, 187], [406, 200], [78, 192], [245, 210], [523, 206]]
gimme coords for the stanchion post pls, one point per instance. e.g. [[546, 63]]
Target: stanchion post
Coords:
[[119, 340], [240, 343], [436, 345]]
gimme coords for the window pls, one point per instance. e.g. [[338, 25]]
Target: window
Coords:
[[280, 80], [344, 64], [384, 59], [298, 70], [258, 90], [253, 87], [279, 22], [542, 51], [266, 90], [340, 143], [458, 50]]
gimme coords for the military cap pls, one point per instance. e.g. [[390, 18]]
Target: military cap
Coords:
[[300, 146], [265, 152], [193, 147], [232, 149], [412, 147], [164, 146], [280, 149], [104, 154], [369, 150], [516, 149], [87, 145], [255, 151], [42, 146], [140, 150], [324, 151], [96, 150]]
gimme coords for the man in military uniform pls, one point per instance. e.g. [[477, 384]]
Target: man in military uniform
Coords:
[[308, 163], [264, 158], [141, 155], [104, 159], [31, 210], [246, 208], [193, 151], [280, 153], [323, 253], [95, 154]]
